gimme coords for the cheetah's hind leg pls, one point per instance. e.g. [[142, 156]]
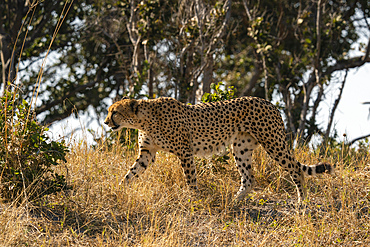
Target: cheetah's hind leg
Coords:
[[242, 148]]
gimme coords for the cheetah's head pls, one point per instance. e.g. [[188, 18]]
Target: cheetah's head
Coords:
[[123, 114]]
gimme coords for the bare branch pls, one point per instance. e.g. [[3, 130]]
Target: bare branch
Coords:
[[366, 55], [307, 89], [220, 33], [40, 26], [71, 93], [357, 139], [253, 81], [367, 103], [312, 127], [284, 90], [266, 75], [318, 42], [336, 102], [247, 10], [134, 37], [350, 63]]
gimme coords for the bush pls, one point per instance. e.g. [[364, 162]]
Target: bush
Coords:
[[27, 156], [219, 94]]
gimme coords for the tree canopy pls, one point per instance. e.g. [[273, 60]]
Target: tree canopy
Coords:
[[285, 51]]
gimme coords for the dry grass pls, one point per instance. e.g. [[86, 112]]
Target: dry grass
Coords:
[[159, 210]]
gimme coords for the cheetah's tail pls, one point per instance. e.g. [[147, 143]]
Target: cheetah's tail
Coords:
[[317, 169]]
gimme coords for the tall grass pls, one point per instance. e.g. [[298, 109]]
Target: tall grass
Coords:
[[158, 209]]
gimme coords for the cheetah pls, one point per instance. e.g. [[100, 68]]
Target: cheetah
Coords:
[[208, 128]]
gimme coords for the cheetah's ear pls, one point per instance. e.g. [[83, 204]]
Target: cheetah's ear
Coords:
[[117, 98], [134, 106]]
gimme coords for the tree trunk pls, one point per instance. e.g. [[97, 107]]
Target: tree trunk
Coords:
[[186, 67], [150, 82], [208, 75], [7, 64], [247, 91]]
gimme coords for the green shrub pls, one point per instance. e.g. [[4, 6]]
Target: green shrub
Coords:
[[219, 94], [27, 155]]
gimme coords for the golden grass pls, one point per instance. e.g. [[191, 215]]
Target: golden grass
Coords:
[[158, 209]]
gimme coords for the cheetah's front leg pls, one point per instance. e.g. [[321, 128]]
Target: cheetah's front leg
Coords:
[[188, 167], [147, 152], [145, 157]]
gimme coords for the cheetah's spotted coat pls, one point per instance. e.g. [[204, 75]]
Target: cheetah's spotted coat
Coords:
[[204, 129]]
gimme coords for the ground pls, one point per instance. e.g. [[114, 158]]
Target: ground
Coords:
[[160, 210]]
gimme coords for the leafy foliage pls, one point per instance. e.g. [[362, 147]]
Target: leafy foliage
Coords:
[[219, 94], [291, 51], [28, 157], [288, 51]]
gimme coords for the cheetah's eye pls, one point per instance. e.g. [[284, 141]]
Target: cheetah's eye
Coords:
[[113, 113]]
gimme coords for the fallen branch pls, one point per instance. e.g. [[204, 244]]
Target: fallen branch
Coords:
[[357, 139]]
